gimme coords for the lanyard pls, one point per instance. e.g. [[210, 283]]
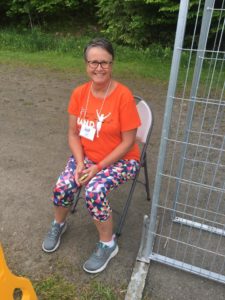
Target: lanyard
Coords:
[[84, 110]]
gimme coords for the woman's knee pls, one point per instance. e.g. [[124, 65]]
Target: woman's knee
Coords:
[[98, 206], [63, 194]]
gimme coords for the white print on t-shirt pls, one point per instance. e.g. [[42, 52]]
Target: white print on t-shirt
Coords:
[[85, 122], [100, 118]]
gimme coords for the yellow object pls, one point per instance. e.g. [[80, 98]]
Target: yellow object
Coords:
[[10, 282]]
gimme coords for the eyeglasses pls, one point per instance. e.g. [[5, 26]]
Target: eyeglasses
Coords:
[[93, 64]]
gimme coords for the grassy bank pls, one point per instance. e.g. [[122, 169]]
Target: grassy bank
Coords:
[[65, 52], [56, 288]]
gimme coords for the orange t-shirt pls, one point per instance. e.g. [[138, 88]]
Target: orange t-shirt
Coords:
[[118, 113]]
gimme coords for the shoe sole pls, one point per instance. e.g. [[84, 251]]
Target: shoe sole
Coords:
[[106, 263], [58, 243]]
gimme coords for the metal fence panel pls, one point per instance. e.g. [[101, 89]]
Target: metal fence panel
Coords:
[[189, 193]]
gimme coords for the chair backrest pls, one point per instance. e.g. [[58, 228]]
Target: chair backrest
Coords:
[[146, 117]]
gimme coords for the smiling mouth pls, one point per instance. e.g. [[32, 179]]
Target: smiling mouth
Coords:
[[99, 74]]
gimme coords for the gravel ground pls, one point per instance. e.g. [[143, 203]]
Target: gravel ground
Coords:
[[34, 150]]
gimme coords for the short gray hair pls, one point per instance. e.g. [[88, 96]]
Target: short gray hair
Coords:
[[99, 42]]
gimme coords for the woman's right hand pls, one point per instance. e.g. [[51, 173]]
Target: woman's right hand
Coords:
[[79, 171], [87, 174]]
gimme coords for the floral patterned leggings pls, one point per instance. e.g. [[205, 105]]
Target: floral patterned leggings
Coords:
[[96, 189]]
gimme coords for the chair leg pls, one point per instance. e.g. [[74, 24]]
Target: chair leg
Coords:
[[125, 209], [76, 199], [146, 179]]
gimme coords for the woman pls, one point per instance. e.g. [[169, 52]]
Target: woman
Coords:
[[103, 121]]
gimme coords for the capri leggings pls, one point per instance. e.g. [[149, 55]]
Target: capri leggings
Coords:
[[96, 189]]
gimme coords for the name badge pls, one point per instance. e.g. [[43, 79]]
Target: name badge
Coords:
[[87, 132]]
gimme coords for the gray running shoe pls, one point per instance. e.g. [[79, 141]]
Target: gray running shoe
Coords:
[[100, 258], [52, 240]]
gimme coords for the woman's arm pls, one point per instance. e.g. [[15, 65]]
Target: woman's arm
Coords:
[[128, 141], [75, 146]]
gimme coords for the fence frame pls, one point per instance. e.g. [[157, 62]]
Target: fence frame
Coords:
[[147, 243]]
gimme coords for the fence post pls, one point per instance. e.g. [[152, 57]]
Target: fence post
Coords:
[[181, 25]]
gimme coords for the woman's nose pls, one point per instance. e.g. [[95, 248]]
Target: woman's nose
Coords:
[[99, 67]]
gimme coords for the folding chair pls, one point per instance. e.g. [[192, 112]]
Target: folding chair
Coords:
[[143, 137]]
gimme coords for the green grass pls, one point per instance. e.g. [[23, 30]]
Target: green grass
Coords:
[[48, 59], [67, 62], [55, 287], [64, 52]]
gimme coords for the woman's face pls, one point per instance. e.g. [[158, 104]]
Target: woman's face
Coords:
[[99, 73]]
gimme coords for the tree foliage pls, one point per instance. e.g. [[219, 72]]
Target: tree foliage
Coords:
[[136, 23], [37, 12]]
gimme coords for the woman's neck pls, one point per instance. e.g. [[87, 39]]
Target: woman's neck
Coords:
[[100, 87], [100, 90]]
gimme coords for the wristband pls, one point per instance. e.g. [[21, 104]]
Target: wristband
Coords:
[[99, 167]]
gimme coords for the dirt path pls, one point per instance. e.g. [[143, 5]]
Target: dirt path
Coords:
[[33, 135]]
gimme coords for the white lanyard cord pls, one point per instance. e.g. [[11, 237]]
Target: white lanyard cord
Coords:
[[106, 93], [85, 109], [88, 97]]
